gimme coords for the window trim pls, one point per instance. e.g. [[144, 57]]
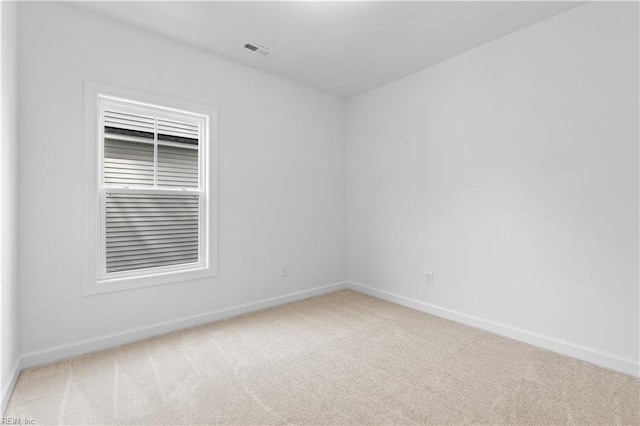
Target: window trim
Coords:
[[95, 280]]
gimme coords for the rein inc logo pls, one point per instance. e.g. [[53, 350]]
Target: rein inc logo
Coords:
[[17, 421]]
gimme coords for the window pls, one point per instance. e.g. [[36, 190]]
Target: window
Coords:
[[149, 210]]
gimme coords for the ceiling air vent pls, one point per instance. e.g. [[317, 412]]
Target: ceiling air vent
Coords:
[[257, 48]]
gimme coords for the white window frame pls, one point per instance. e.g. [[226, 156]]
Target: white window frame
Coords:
[[96, 279]]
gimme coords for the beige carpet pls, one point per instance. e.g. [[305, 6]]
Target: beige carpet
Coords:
[[342, 358]]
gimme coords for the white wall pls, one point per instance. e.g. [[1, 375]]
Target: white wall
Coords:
[[8, 198], [281, 176], [511, 172]]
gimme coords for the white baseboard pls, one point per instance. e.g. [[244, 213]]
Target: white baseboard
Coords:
[[594, 356], [57, 353], [8, 388]]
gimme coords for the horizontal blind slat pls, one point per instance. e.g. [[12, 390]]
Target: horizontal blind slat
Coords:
[[123, 166], [122, 263], [151, 230], [153, 234], [148, 252], [150, 239], [177, 153], [125, 224], [178, 128], [141, 207], [128, 173], [128, 163], [177, 167], [141, 204], [160, 198], [147, 232], [129, 121]]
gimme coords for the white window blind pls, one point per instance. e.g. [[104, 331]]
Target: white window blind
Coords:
[[153, 194]]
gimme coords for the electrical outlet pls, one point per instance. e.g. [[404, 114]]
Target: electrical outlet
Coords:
[[285, 271], [428, 277]]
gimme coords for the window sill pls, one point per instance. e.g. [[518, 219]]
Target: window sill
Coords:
[[129, 283]]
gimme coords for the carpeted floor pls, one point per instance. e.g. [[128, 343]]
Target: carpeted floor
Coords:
[[341, 358]]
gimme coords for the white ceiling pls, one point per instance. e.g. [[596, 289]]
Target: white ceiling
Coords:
[[344, 48]]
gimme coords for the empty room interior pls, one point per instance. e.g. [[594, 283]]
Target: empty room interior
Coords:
[[320, 212]]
